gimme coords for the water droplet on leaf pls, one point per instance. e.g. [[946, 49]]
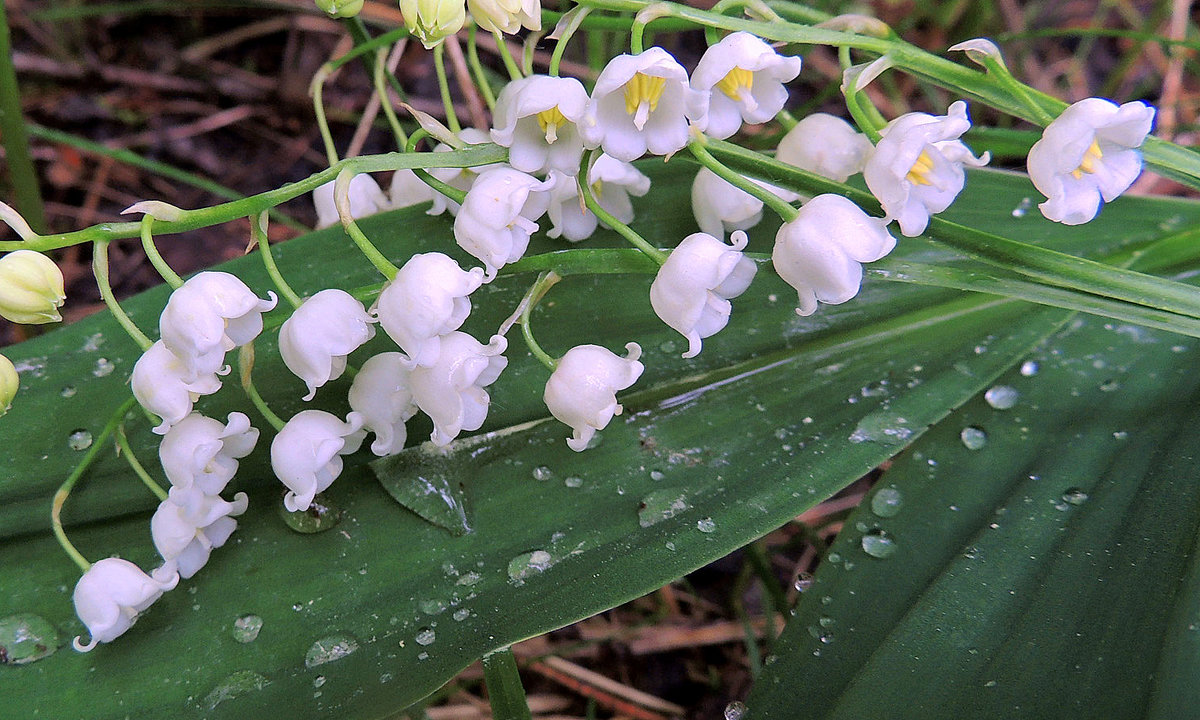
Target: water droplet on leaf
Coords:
[[887, 502], [329, 649], [246, 628], [26, 638], [322, 515], [973, 437], [878, 544], [1001, 397], [79, 439], [426, 636]]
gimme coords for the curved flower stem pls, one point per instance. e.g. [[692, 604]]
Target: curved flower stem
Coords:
[[477, 71], [258, 231], [341, 198], [100, 270], [138, 469], [560, 45], [787, 120], [155, 258], [866, 121], [712, 35], [64, 490], [316, 89], [439, 65], [514, 71], [446, 189], [636, 31], [781, 207], [245, 364], [585, 191], [537, 291], [505, 691], [385, 100]]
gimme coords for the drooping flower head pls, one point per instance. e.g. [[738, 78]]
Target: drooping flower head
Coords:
[[428, 298], [917, 167], [826, 145], [366, 198], [1088, 154], [741, 78], [692, 289], [185, 534], [720, 207], [316, 339], [306, 454], [31, 288], [451, 391], [497, 217], [110, 595], [506, 16], [382, 395], [641, 103], [821, 252], [582, 390], [612, 183], [164, 385], [212, 312], [537, 120], [202, 452]]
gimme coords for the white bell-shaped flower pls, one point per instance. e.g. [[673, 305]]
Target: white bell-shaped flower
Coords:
[[582, 390], [720, 207], [428, 298], [451, 391], [612, 182], [306, 454], [366, 198], [826, 145], [917, 167], [316, 339], [187, 533], [506, 16], [742, 78], [407, 190], [821, 252], [110, 595], [212, 313], [203, 453], [461, 178], [382, 395], [497, 217], [641, 103], [537, 118], [692, 289], [165, 386], [1088, 154]]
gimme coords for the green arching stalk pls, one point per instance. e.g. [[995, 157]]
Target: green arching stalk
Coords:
[[866, 121], [245, 370], [637, 31], [439, 64], [506, 694], [477, 71], [514, 71], [342, 200], [316, 89], [258, 231], [541, 286], [385, 100], [712, 35], [15, 139], [444, 188], [560, 46], [136, 465], [998, 70], [787, 120], [362, 48], [64, 490], [781, 207], [607, 218], [147, 233], [100, 270]]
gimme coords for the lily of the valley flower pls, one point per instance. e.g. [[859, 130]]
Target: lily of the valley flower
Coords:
[[316, 339], [692, 289], [186, 533], [641, 103], [164, 385], [821, 252], [742, 79], [720, 207], [306, 454], [537, 120], [917, 167], [9, 383], [497, 217], [451, 391], [366, 198], [406, 190], [212, 313], [382, 395], [826, 145], [1088, 154], [612, 182], [582, 390], [31, 288], [432, 21], [461, 178], [506, 16], [428, 298], [110, 595], [203, 453]]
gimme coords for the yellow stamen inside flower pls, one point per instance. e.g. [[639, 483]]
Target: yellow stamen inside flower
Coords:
[[641, 89], [738, 82], [919, 173], [1088, 163], [550, 121]]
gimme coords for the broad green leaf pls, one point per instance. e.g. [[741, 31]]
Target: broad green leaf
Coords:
[[777, 413]]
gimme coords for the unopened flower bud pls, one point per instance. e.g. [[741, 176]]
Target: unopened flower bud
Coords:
[[9, 381], [341, 8], [506, 15], [431, 21], [31, 288]]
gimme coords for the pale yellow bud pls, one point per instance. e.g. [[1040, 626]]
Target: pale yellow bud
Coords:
[[507, 16], [31, 288], [431, 21], [8, 384], [341, 8]]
